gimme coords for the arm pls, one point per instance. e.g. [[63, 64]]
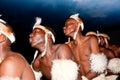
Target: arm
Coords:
[[109, 53], [12, 68], [36, 64], [98, 61]]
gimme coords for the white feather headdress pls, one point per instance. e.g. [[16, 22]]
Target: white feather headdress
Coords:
[[6, 31], [76, 17], [80, 23], [37, 25], [47, 31]]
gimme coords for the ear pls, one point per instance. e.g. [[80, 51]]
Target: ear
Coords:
[[2, 38]]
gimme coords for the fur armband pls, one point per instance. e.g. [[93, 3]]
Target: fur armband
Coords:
[[8, 78], [64, 70], [98, 62], [84, 78], [100, 77], [114, 65], [112, 77], [38, 75]]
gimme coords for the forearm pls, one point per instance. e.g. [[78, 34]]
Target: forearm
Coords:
[[90, 75]]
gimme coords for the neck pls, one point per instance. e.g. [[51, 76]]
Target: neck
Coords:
[[3, 52], [79, 38]]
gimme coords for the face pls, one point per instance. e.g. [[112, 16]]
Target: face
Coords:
[[70, 27], [102, 41], [36, 37]]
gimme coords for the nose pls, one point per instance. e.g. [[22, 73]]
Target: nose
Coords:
[[64, 28], [30, 35]]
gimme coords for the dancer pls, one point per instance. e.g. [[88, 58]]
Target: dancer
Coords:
[[55, 60], [13, 66], [113, 61], [114, 64], [85, 50]]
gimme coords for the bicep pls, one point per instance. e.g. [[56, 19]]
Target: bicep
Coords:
[[36, 64], [110, 54], [94, 45]]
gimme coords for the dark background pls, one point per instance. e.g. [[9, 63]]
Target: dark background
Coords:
[[101, 15]]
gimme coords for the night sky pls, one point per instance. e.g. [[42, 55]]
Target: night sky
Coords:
[[101, 15]]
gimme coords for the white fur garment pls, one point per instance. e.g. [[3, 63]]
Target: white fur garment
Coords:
[[64, 70], [98, 62]]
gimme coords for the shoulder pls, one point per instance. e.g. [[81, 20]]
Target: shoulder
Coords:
[[13, 65], [63, 46], [64, 51], [92, 39], [14, 59]]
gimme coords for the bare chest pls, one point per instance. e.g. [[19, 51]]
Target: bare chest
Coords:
[[80, 52]]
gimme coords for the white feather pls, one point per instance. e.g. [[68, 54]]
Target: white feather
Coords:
[[38, 21]]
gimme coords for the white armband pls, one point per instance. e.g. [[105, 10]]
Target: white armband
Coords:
[[84, 78], [98, 62], [112, 77], [114, 65], [38, 75], [9, 78], [64, 70]]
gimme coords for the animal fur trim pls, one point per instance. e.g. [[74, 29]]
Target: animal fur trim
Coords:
[[98, 62], [37, 25], [8, 78], [47, 31], [64, 70], [76, 17], [38, 75], [100, 77], [80, 24], [6, 31], [112, 77], [84, 78], [91, 33], [114, 65]]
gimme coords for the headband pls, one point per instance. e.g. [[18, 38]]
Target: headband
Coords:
[[91, 33], [37, 25], [103, 35], [80, 23], [6, 31], [47, 31]]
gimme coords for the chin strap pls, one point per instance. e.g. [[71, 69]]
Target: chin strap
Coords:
[[38, 75]]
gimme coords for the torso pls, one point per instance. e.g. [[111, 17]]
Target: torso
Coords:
[[81, 53], [46, 63]]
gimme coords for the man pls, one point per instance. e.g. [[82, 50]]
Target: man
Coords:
[[85, 49], [102, 45], [114, 63], [13, 66], [114, 47], [54, 60]]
